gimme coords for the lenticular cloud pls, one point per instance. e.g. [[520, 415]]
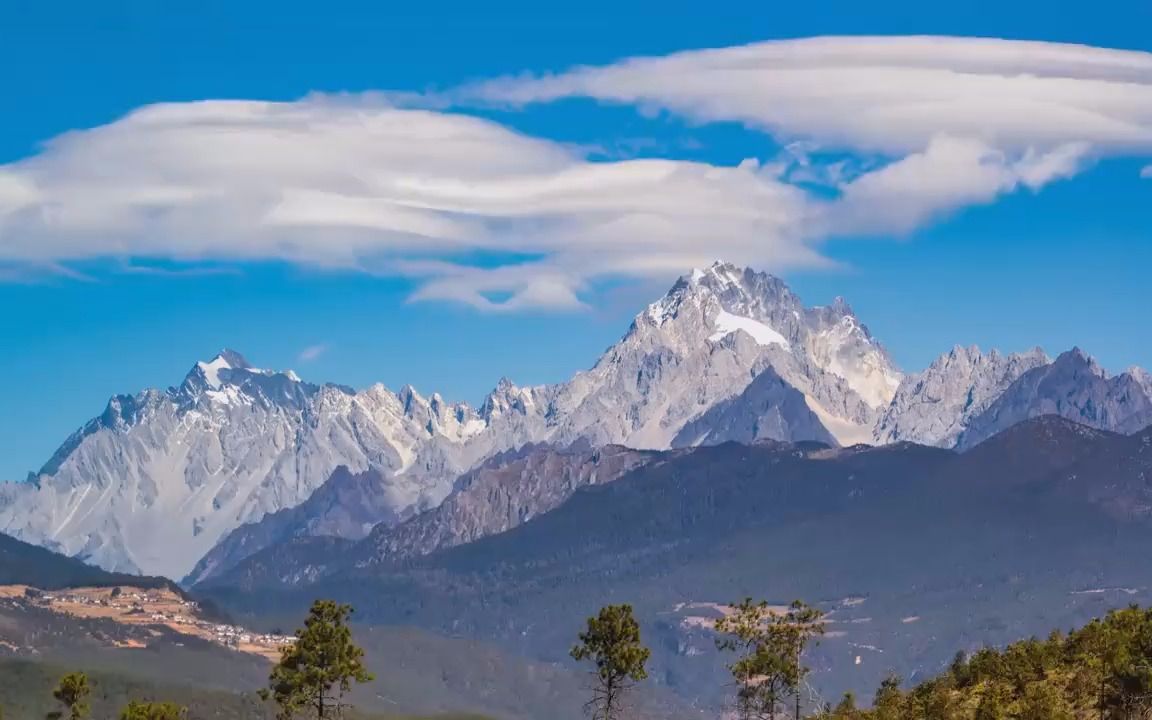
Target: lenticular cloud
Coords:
[[356, 184], [930, 125], [888, 94]]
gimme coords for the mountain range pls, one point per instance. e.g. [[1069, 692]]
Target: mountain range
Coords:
[[913, 551], [193, 479]]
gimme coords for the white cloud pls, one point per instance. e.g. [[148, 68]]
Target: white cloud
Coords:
[[312, 352], [1146, 172], [883, 94], [951, 122], [950, 174], [930, 126], [352, 183]]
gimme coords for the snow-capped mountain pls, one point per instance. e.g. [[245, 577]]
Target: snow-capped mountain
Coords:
[[705, 342], [161, 477], [155, 481], [727, 354], [934, 407]]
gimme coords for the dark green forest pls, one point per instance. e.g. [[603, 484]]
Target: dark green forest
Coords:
[[1102, 670]]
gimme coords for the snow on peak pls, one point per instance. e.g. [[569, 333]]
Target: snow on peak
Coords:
[[726, 273], [736, 289], [726, 323], [229, 360], [211, 370]]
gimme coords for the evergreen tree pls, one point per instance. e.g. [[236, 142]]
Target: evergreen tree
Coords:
[[137, 710], [846, 709], [961, 673], [72, 692], [889, 701], [317, 670], [771, 647], [1102, 671], [612, 642], [801, 625], [933, 700]]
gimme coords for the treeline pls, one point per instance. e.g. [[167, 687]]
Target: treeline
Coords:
[[73, 695], [1102, 671], [27, 684]]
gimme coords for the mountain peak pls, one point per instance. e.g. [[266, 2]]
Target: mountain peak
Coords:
[[235, 360], [506, 395], [209, 372], [734, 288], [1076, 360], [720, 275], [1143, 379], [505, 385], [409, 398]]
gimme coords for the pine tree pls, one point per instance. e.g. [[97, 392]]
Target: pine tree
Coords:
[[72, 692], [612, 642], [889, 701], [932, 700], [772, 646], [846, 709], [317, 670]]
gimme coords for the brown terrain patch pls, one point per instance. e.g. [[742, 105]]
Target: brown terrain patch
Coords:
[[148, 609]]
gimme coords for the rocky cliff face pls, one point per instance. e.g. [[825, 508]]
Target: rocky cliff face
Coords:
[[934, 407], [769, 408], [347, 505], [1074, 387], [499, 496]]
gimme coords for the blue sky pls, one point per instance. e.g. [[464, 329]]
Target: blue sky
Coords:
[[1059, 265]]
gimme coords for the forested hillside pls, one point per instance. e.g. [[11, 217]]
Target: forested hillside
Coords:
[[1102, 670], [25, 564]]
